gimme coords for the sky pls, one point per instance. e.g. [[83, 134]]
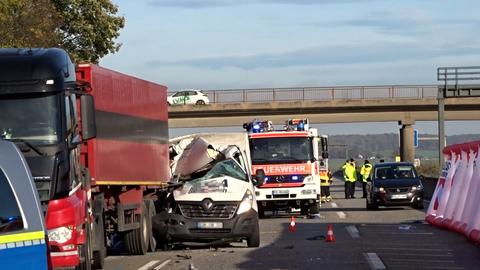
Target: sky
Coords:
[[228, 44]]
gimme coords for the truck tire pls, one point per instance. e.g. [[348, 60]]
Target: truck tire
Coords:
[[99, 249], [98, 256], [152, 243], [85, 249], [137, 240], [254, 239]]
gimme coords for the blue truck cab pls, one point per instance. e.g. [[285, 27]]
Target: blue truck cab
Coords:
[[22, 229]]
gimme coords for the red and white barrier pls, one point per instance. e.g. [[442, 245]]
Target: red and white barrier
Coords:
[[455, 202]]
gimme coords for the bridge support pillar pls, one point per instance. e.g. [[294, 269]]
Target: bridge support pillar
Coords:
[[407, 149]]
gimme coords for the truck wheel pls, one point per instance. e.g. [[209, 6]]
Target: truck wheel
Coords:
[[85, 249], [152, 243], [136, 241], [100, 254], [254, 239]]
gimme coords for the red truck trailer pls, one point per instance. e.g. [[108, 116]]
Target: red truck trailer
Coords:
[[128, 159], [96, 141]]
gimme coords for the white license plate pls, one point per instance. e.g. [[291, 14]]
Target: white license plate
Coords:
[[209, 225], [399, 196], [280, 192]]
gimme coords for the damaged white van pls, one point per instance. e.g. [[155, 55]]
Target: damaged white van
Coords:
[[212, 196]]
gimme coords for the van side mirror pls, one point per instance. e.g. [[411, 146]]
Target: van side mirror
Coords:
[[89, 128], [259, 177]]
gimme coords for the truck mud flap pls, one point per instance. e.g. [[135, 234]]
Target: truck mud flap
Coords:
[[121, 223]]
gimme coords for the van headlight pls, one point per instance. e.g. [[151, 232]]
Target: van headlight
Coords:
[[246, 203], [60, 235]]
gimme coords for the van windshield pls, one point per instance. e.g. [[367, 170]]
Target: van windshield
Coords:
[[10, 217], [215, 180]]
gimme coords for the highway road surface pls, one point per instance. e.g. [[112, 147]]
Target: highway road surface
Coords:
[[390, 238]]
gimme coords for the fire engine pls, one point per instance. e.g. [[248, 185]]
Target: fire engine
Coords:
[[292, 160]]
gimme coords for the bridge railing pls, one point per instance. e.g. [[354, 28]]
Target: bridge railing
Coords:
[[322, 93]]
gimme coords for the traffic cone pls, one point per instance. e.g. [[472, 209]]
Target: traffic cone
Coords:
[[330, 236], [293, 225]]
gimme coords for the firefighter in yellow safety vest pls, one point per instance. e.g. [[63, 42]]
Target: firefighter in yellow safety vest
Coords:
[[325, 181], [350, 175], [365, 172]]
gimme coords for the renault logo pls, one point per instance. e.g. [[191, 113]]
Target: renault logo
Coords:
[[207, 204]]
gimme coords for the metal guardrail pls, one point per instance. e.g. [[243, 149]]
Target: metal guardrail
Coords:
[[459, 81], [322, 93]]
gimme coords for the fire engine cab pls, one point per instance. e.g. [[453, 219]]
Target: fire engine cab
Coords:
[[292, 163]]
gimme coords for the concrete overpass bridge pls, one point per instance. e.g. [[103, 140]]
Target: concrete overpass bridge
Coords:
[[347, 104]]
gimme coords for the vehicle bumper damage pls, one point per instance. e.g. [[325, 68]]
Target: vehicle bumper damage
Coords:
[[169, 227]]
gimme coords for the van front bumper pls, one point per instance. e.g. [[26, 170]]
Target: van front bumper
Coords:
[[177, 228]]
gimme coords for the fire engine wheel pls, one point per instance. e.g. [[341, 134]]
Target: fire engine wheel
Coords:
[[304, 210], [137, 240], [314, 208], [254, 239]]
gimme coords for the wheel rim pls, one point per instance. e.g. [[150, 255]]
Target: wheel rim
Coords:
[[145, 230]]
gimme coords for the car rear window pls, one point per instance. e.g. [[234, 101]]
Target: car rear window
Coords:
[[10, 216]]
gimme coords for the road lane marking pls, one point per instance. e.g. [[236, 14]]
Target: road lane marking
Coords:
[[341, 215], [416, 249], [148, 265], [353, 231], [418, 254], [334, 205], [404, 233], [422, 260], [161, 265], [374, 261]]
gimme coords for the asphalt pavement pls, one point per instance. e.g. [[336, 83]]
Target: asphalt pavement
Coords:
[[390, 238]]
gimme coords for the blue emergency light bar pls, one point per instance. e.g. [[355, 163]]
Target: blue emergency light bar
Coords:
[[257, 126], [296, 124]]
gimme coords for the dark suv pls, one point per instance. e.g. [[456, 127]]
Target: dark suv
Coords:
[[394, 184]]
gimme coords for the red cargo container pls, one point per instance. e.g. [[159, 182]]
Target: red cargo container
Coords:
[[127, 161], [131, 147]]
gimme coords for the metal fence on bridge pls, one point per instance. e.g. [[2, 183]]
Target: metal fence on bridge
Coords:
[[322, 93]]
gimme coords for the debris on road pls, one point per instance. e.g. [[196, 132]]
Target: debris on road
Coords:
[[317, 237]]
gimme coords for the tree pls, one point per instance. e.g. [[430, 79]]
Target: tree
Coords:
[[87, 29], [28, 23]]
